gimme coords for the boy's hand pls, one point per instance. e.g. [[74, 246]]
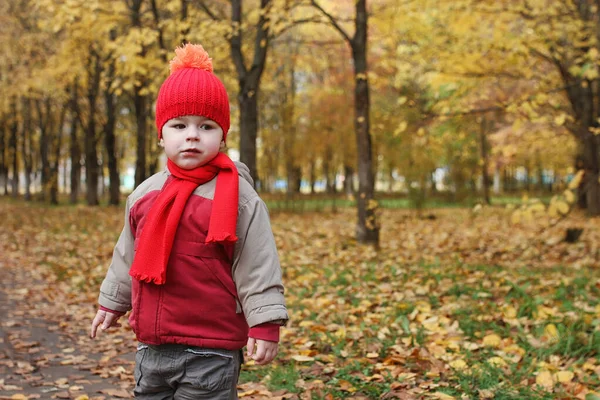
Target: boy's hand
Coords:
[[265, 350], [107, 319]]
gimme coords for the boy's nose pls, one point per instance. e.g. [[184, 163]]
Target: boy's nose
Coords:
[[193, 133]]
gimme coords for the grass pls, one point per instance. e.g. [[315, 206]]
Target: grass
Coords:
[[480, 306], [324, 202]]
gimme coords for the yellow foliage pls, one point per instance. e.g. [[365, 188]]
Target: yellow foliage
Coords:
[[559, 120], [564, 376], [492, 340], [545, 379], [552, 333], [537, 207], [562, 207], [576, 181], [497, 362], [569, 196], [516, 217], [553, 210], [459, 365]]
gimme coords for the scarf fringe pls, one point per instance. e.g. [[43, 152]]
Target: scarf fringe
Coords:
[[147, 278]]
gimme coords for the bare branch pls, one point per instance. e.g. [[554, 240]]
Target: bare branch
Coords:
[[320, 43], [543, 56], [332, 20], [161, 41], [296, 23], [488, 74], [261, 41], [208, 11]]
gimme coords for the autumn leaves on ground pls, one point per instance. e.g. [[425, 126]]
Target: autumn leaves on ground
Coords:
[[456, 304]]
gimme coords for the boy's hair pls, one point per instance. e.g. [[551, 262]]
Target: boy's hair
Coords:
[[192, 89]]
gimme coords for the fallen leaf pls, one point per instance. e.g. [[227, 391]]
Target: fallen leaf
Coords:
[[564, 376], [301, 358], [544, 379], [492, 340]]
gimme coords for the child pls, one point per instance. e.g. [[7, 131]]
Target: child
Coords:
[[196, 262]]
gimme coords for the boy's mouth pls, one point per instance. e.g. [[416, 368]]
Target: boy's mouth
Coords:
[[191, 151]]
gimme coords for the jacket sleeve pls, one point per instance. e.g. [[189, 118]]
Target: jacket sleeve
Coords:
[[115, 291], [256, 269]]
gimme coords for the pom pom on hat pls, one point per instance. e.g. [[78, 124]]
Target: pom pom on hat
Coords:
[[192, 89], [191, 56]]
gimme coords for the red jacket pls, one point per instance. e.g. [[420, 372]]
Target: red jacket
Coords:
[[212, 293], [197, 305]]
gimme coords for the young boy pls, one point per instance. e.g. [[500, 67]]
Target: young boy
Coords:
[[196, 262]]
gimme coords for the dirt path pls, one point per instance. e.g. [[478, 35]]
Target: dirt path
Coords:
[[45, 352]]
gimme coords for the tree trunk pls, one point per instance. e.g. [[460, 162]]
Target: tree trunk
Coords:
[[249, 80], [295, 180], [433, 182], [110, 138], [13, 145], [26, 146], [591, 164], [43, 108], [292, 178], [139, 100], [185, 31], [485, 160], [57, 144], [527, 175], [348, 180], [75, 149], [326, 170], [248, 104], [583, 97], [313, 176], [289, 127], [3, 157], [367, 229], [91, 154], [540, 170]]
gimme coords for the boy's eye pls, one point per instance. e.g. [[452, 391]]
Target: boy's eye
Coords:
[[178, 126], [206, 127]]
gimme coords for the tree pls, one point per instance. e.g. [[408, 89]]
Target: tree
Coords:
[[27, 145], [367, 228], [140, 98], [74, 147], [249, 78], [546, 51], [110, 103], [94, 70], [13, 146]]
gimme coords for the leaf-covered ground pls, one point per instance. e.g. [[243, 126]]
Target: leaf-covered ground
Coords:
[[454, 304]]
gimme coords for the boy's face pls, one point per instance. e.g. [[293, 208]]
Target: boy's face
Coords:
[[191, 141]]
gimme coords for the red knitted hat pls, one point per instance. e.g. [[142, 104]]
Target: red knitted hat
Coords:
[[192, 89]]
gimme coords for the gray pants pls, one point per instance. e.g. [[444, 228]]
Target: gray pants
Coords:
[[182, 372]]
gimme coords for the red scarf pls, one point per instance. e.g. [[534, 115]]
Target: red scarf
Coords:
[[156, 240]]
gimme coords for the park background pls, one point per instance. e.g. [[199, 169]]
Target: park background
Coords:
[[432, 170]]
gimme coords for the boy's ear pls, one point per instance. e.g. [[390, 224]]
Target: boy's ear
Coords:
[[161, 142]]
